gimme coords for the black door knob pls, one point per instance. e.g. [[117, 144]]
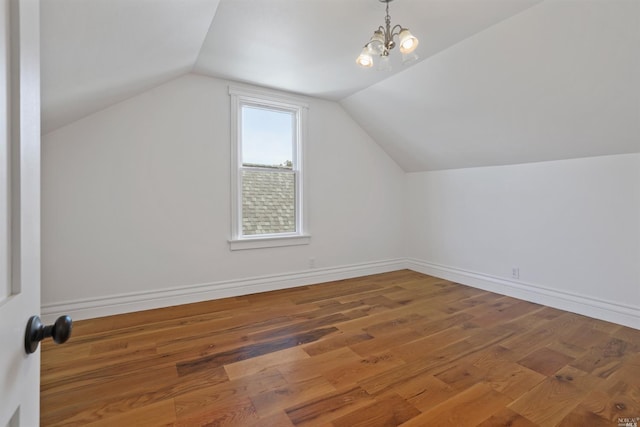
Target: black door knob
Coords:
[[60, 331]]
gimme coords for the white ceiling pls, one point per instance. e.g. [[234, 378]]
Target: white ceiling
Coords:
[[497, 82], [95, 53], [560, 80], [310, 46]]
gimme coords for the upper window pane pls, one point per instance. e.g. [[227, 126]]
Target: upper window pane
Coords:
[[267, 137]]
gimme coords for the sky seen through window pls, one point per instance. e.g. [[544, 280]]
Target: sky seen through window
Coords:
[[267, 136]]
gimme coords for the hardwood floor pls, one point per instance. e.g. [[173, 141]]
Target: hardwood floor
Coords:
[[392, 349]]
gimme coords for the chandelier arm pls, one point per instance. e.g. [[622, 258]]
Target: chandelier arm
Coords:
[[393, 31]]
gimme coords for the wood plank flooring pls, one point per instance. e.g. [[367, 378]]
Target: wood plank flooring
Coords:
[[392, 349]]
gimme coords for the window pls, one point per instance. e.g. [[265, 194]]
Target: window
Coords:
[[267, 136]]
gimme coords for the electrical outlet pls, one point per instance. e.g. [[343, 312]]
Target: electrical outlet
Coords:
[[515, 272], [312, 262]]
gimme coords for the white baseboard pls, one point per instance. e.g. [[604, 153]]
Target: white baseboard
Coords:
[[127, 303], [138, 301], [596, 308]]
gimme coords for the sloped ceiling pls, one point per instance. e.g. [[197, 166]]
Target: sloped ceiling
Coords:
[[310, 46], [560, 80], [96, 53], [497, 82]]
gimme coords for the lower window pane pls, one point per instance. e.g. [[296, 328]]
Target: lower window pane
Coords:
[[268, 202]]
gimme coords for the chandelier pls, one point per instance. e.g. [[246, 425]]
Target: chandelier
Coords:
[[382, 42]]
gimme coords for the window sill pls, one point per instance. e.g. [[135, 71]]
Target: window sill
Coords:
[[268, 242]]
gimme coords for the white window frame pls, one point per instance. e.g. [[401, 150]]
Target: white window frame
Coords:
[[240, 97]]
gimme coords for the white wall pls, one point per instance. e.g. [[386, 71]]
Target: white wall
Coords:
[[135, 202], [136, 212], [572, 227]]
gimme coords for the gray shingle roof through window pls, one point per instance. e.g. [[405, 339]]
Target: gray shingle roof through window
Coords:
[[268, 202]]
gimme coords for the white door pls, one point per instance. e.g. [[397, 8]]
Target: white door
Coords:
[[19, 209]]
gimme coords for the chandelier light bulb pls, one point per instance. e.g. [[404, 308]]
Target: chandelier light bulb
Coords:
[[408, 58], [377, 42], [384, 64], [408, 42], [365, 59]]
